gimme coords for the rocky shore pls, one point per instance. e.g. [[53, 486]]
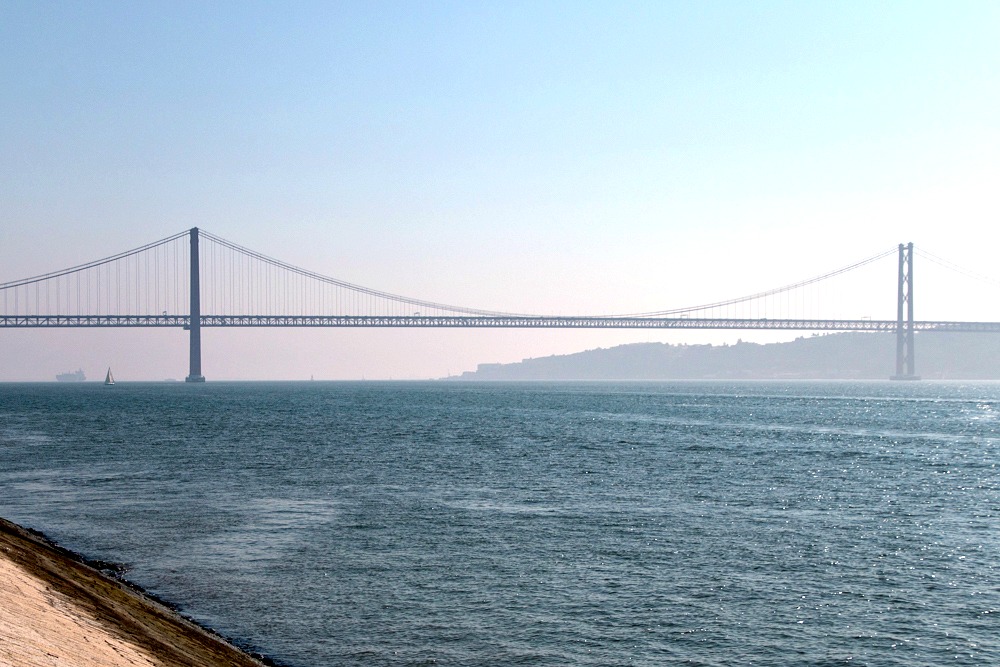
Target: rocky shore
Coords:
[[57, 609]]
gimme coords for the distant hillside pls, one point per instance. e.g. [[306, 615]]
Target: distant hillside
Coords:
[[834, 356]]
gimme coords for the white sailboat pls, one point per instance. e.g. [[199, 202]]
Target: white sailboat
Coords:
[[109, 378]]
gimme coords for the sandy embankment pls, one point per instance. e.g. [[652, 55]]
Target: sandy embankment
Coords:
[[55, 610]]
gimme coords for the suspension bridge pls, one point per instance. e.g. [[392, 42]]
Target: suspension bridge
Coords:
[[195, 279]]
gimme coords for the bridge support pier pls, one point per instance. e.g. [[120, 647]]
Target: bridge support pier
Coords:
[[905, 368], [194, 324]]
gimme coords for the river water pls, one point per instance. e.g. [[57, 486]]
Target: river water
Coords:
[[448, 523]]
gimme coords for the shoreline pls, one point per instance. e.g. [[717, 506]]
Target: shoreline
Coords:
[[57, 605]]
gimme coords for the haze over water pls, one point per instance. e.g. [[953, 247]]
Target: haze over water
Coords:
[[545, 523]]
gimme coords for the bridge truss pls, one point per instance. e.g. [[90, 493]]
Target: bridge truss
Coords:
[[486, 322]]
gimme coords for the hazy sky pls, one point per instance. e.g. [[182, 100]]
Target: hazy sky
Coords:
[[553, 157]]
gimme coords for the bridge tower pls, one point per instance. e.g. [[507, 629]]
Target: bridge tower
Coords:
[[194, 324], [905, 369]]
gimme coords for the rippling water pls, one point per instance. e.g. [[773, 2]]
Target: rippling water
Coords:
[[542, 524]]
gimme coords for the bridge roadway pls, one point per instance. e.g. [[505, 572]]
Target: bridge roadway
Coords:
[[483, 322]]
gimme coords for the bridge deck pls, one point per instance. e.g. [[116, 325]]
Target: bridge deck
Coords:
[[483, 322]]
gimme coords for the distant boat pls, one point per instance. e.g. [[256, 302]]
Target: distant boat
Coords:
[[109, 378], [76, 376]]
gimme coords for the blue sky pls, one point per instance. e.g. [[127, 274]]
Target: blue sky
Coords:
[[555, 157]]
